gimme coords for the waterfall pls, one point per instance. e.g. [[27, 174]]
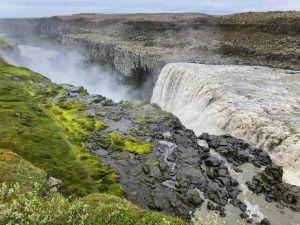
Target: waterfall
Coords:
[[258, 104]]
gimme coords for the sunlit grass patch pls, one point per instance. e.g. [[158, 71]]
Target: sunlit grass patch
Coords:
[[30, 207], [28, 130], [78, 126]]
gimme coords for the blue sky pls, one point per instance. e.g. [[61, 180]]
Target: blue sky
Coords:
[[39, 8]]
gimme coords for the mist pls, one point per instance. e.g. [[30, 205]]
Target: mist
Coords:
[[70, 68]]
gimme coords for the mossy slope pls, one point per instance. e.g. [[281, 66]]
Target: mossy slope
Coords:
[[14, 169], [22, 202], [29, 130]]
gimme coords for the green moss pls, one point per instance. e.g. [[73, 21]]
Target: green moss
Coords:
[[48, 133], [137, 133], [6, 43], [101, 114], [35, 137], [79, 126], [47, 90], [140, 122], [120, 143], [116, 189], [128, 105], [115, 117], [23, 73], [82, 91]]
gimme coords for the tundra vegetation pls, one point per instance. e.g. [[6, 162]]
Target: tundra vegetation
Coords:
[[42, 136]]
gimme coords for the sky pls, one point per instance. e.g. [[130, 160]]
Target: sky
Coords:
[[43, 8]]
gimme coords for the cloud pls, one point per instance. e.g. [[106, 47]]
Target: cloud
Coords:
[[39, 8]]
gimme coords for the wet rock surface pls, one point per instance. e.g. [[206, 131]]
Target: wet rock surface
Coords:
[[269, 182], [236, 151], [171, 178], [179, 174]]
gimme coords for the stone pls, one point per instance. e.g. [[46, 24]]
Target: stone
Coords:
[[54, 182], [211, 172], [146, 168], [244, 215], [234, 182], [243, 207], [212, 161], [155, 172], [249, 220], [225, 181], [202, 143], [265, 221], [243, 155], [194, 197], [222, 214], [16, 115], [163, 166], [210, 206], [222, 172]]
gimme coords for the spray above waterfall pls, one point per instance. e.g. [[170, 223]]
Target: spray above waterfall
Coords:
[[70, 68], [258, 104]]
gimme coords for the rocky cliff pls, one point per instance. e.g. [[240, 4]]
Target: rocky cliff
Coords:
[[123, 41]]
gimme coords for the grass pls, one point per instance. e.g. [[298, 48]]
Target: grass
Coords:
[[14, 169], [19, 207], [6, 43], [46, 136], [29, 131], [78, 126]]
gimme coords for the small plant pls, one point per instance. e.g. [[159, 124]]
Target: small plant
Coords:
[[82, 91], [212, 219], [30, 208], [52, 208]]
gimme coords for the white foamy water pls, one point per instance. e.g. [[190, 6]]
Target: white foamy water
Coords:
[[69, 68], [258, 104]]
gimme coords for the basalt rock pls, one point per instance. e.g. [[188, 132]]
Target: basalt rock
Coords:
[[236, 151], [270, 183], [178, 174], [175, 175]]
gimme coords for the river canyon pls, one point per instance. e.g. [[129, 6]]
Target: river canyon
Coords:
[[236, 105]]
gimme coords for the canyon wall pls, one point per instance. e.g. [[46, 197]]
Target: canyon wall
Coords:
[[147, 42]]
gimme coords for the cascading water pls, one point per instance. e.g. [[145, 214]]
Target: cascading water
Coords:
[[258, 104]]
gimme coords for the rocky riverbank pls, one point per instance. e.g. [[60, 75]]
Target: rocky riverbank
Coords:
[[131, 149], [165, 167], [269, 182]]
